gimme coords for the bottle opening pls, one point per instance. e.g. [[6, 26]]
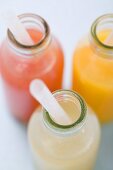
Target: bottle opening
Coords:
[[72, 109], [73, 105], [38, 29], [102, 31]]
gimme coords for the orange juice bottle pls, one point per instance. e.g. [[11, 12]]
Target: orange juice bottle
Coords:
[[22, 63], [93, 68]]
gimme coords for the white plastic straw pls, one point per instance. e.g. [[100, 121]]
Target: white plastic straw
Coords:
[[17, 28], [41, 93]]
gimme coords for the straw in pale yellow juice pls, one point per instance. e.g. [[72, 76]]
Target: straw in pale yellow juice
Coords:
[[72, 152], [66, 135]]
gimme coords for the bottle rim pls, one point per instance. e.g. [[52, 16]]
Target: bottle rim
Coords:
[[32, 18], [100, 46], [76, 125]]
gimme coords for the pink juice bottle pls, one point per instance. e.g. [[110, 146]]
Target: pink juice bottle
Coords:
[[21, 63]]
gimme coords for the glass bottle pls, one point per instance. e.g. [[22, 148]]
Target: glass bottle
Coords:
[[93, 68], [65, 147], [21, 63]]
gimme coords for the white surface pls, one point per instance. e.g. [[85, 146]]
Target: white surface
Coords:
[[69, 20]]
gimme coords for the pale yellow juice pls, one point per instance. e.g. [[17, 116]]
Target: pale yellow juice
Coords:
[[71, 149]]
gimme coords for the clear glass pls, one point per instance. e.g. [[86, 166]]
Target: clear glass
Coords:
[[93, 68], [67, 147], [21, 63]]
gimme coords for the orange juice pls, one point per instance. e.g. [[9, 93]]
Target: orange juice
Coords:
[[20, 64], [93, 69]]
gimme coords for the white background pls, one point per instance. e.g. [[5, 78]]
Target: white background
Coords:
[[69, 21]]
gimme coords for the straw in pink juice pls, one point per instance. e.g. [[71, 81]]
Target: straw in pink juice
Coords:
[[19, 66]]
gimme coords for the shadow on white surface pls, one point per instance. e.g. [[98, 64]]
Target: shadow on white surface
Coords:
[[105, 157]]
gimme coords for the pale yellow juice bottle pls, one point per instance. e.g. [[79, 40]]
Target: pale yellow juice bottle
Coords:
[[65, 147], [93, 68]]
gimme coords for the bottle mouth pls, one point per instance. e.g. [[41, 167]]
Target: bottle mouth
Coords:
[[67, 95], [101, 24], [32, 21]]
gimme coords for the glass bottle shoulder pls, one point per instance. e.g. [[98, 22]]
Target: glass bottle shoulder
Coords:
[[48, 143]]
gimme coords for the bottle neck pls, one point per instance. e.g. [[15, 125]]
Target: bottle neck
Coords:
[[100, 31], [34, 22], [74, 106]]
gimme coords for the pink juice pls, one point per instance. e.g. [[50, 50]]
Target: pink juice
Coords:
[[19, 69]]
